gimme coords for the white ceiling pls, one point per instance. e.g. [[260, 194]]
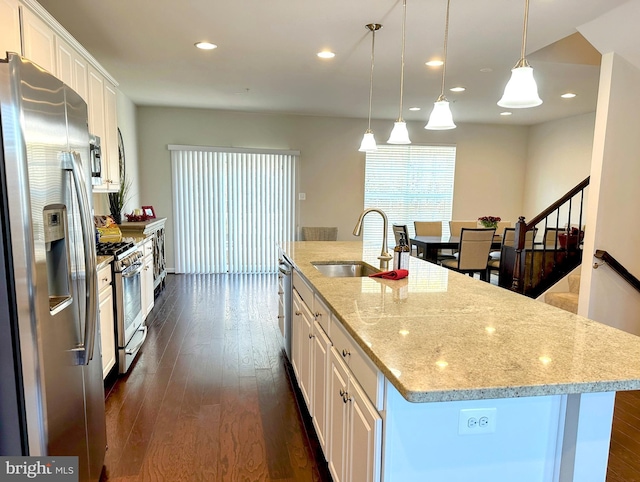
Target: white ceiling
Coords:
[[266, 62]]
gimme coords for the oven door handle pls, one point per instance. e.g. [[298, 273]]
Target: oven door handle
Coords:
[[71, 161], [130, 273], [132, 351]]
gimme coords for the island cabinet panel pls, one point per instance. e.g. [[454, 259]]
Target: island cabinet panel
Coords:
[[337, 435], [302, 349], [355, 428], [369, 377], [523, 447], [321, 345]]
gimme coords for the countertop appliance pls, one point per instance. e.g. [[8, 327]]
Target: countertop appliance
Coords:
[[51, 388], [131, 332]]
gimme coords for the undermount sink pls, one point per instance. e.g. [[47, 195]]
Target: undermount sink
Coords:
[[345, 269]]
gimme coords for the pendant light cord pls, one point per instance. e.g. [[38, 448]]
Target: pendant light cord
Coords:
[[404, 21], [524, 29], [446, 37], [373, 27]]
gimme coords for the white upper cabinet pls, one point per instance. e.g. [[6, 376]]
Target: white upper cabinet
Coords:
[[28, 29], [72, 68], [9, 27], [39, 41]]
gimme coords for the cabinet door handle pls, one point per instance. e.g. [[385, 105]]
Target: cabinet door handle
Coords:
[[318, 314], [298, 313], [345, 353], [104, 280], [346, 398], [342, 392], [280, 292], [311, 336]]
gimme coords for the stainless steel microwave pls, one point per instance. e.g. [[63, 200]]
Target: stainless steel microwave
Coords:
[[96, 160]]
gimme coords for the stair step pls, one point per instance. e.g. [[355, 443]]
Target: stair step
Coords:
[[574, 283], [566, 301]]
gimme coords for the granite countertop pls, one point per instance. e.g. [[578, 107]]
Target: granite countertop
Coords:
[[102, 261], [439, 335]]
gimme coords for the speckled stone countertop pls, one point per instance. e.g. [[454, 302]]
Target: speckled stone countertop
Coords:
[[439, 335], [103, 261]]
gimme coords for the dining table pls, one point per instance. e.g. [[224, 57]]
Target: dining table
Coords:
[[430, 245]]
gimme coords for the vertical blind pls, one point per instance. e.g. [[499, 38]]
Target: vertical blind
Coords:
[[231, 208], [409, 183]]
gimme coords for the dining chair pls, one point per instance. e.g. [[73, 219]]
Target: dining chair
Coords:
[[319, 233], [502, 225], [473, 252], [403, 228], [456, 226], [431, 228]]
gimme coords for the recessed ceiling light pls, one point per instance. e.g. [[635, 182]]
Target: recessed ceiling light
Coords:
[[325, 54], [414, 108], [206, 45], [457, 89], [505, 113], [568, 95], [434, 63], [486, 69]]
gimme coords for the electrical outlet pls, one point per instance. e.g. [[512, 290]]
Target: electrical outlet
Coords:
[[477, 421], [302, 196]]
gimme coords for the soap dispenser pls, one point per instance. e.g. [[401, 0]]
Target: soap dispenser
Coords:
[[401, 253]]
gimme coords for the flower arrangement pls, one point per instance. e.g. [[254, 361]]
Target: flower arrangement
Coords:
[[490, 221]]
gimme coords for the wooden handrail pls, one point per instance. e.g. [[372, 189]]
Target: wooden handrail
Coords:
[[618, 268], [540, 217]]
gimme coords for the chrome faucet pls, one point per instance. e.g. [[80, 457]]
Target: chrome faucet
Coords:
[[385, 256]]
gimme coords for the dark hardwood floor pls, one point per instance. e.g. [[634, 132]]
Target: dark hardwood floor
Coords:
[[209, 398], [624, 453]]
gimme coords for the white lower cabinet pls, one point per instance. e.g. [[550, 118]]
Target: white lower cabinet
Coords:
[[106, 319], [147, 278], [348, 426], [302, 355], [321, 346], [355, 428]]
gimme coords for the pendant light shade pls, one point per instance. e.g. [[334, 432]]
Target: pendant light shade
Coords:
[[441, 118], [368, 143], [521, 91], [399, 134]]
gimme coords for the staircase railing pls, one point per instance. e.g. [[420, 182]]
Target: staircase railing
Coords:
[[617, 267], [548, 247]]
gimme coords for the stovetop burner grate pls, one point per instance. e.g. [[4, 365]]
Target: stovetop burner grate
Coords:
[[113, 249]]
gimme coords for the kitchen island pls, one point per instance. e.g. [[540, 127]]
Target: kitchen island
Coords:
[[477, 383]]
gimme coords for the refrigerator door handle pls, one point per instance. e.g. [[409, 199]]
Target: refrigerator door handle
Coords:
[[72, 162]]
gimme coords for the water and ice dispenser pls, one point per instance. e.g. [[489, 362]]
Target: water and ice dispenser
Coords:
[[58, 263]]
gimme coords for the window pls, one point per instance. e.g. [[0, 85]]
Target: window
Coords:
[[231, 208], [409, 183]]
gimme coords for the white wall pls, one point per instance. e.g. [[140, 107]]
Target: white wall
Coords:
[[126, 111], [614, 199], [489, 174], [559, 157]]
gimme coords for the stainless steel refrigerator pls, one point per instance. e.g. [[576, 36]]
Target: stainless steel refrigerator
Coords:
[[51, 388]]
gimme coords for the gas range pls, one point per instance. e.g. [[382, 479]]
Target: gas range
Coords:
[[114, 249], [125, 253]]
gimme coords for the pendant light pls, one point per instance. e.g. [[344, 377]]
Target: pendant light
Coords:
[[441, 118], [399, 134], [368, 141], [521, 91]]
